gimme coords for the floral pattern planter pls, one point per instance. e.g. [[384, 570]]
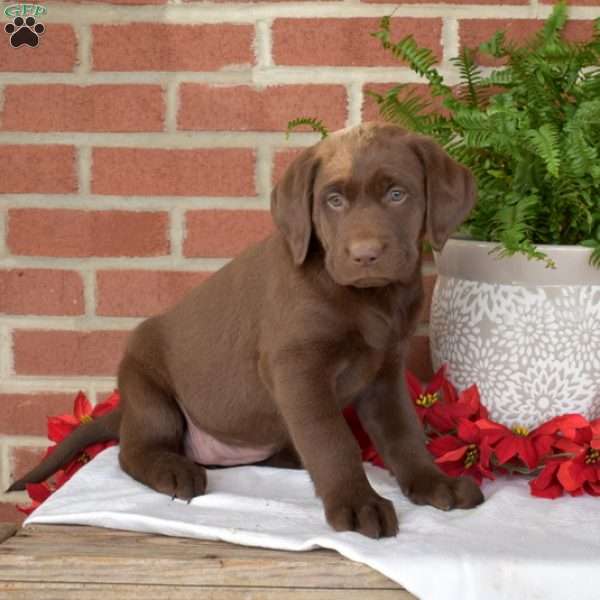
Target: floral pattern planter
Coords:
[[528, 336]]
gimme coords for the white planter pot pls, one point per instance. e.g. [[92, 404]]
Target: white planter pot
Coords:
[[528, 336]]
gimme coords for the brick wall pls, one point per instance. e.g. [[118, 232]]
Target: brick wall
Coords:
[[138, 146]]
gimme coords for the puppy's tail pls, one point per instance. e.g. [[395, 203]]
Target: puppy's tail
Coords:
[[103, 429]]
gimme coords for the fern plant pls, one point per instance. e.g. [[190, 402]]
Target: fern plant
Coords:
[[529, 131]]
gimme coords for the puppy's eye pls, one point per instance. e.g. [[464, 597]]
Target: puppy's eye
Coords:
[[397, 195], [336, 201]]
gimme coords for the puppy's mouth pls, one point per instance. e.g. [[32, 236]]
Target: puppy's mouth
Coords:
[[367, 282]]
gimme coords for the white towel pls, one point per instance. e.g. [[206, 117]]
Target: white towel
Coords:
[[512, 546]]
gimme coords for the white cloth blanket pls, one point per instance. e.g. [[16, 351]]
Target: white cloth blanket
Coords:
[[512, 546]]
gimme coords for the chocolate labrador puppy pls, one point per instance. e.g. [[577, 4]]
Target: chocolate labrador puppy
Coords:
[[257, 363]]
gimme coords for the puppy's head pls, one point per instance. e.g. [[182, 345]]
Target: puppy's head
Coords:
[[369, 195]]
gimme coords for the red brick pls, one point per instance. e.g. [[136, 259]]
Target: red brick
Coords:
[[142, 293], [10, 514], [25, 414], [224, 233], [24, 459], [60, 107], [475, 31], [419, 357], [79, 233], [37, 169], [154, 171], [346, 42], [56, 52], [163, 47], [67, 352], [282, 160], [62, 292], [224, 108]]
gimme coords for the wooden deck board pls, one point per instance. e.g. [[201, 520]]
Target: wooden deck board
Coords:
[[44, 562]]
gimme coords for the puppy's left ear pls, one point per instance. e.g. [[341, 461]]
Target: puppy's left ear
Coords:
[[450, 191], [291, 203]]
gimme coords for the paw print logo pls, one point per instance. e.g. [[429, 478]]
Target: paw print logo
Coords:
[[24, 31]]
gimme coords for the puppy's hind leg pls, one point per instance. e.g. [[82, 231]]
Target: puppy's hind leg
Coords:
[[152, 429]]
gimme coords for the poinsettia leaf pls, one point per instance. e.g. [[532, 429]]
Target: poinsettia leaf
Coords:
[[61, 427], [82, 407], [468, 431], [527, 453], [452, 455], [567, 475], [437, 381], [506, 449], [38, 492]]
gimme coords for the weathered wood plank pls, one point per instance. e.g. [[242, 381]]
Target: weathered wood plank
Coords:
[[62, 591], [7, 530], [70, 555]]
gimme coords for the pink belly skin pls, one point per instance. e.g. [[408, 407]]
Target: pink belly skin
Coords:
[[205, 449]]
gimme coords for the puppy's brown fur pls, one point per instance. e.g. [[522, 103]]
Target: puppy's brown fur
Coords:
[[269, 350]]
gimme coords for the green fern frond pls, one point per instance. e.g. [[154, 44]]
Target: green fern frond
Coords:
[[495, 46], [472, 81], [554, 24], [407, 111], [312, 122], [545, 143]]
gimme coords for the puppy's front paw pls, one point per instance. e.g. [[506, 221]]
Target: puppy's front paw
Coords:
[[178, 477], [366, 513], [443, 492]]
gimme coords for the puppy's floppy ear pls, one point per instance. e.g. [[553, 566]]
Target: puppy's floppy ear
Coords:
[[291, 203], [450, 190]]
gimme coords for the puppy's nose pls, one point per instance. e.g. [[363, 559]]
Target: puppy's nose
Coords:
[[365, 252]]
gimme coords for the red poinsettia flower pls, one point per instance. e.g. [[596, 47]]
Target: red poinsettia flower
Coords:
[[83, 412], [440, 406], [426, 396], [565, 433], [517, 442], [428, 400], [582, 473], [39, 492], [466, 453], [546, 484]]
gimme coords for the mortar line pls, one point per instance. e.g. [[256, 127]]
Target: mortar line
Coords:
[[40, 384], [171, 98], [264, 174], [3, 231], [267, 75], [6, 359], [84, 50], [450, 38], [31, 441], [207, 13], [122, 262], [127, 203], [89, 291], [4, 466], [84, 169], [177, 232], [355, 102]]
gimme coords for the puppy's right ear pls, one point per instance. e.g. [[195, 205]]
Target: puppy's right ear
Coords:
[[291, 203]]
